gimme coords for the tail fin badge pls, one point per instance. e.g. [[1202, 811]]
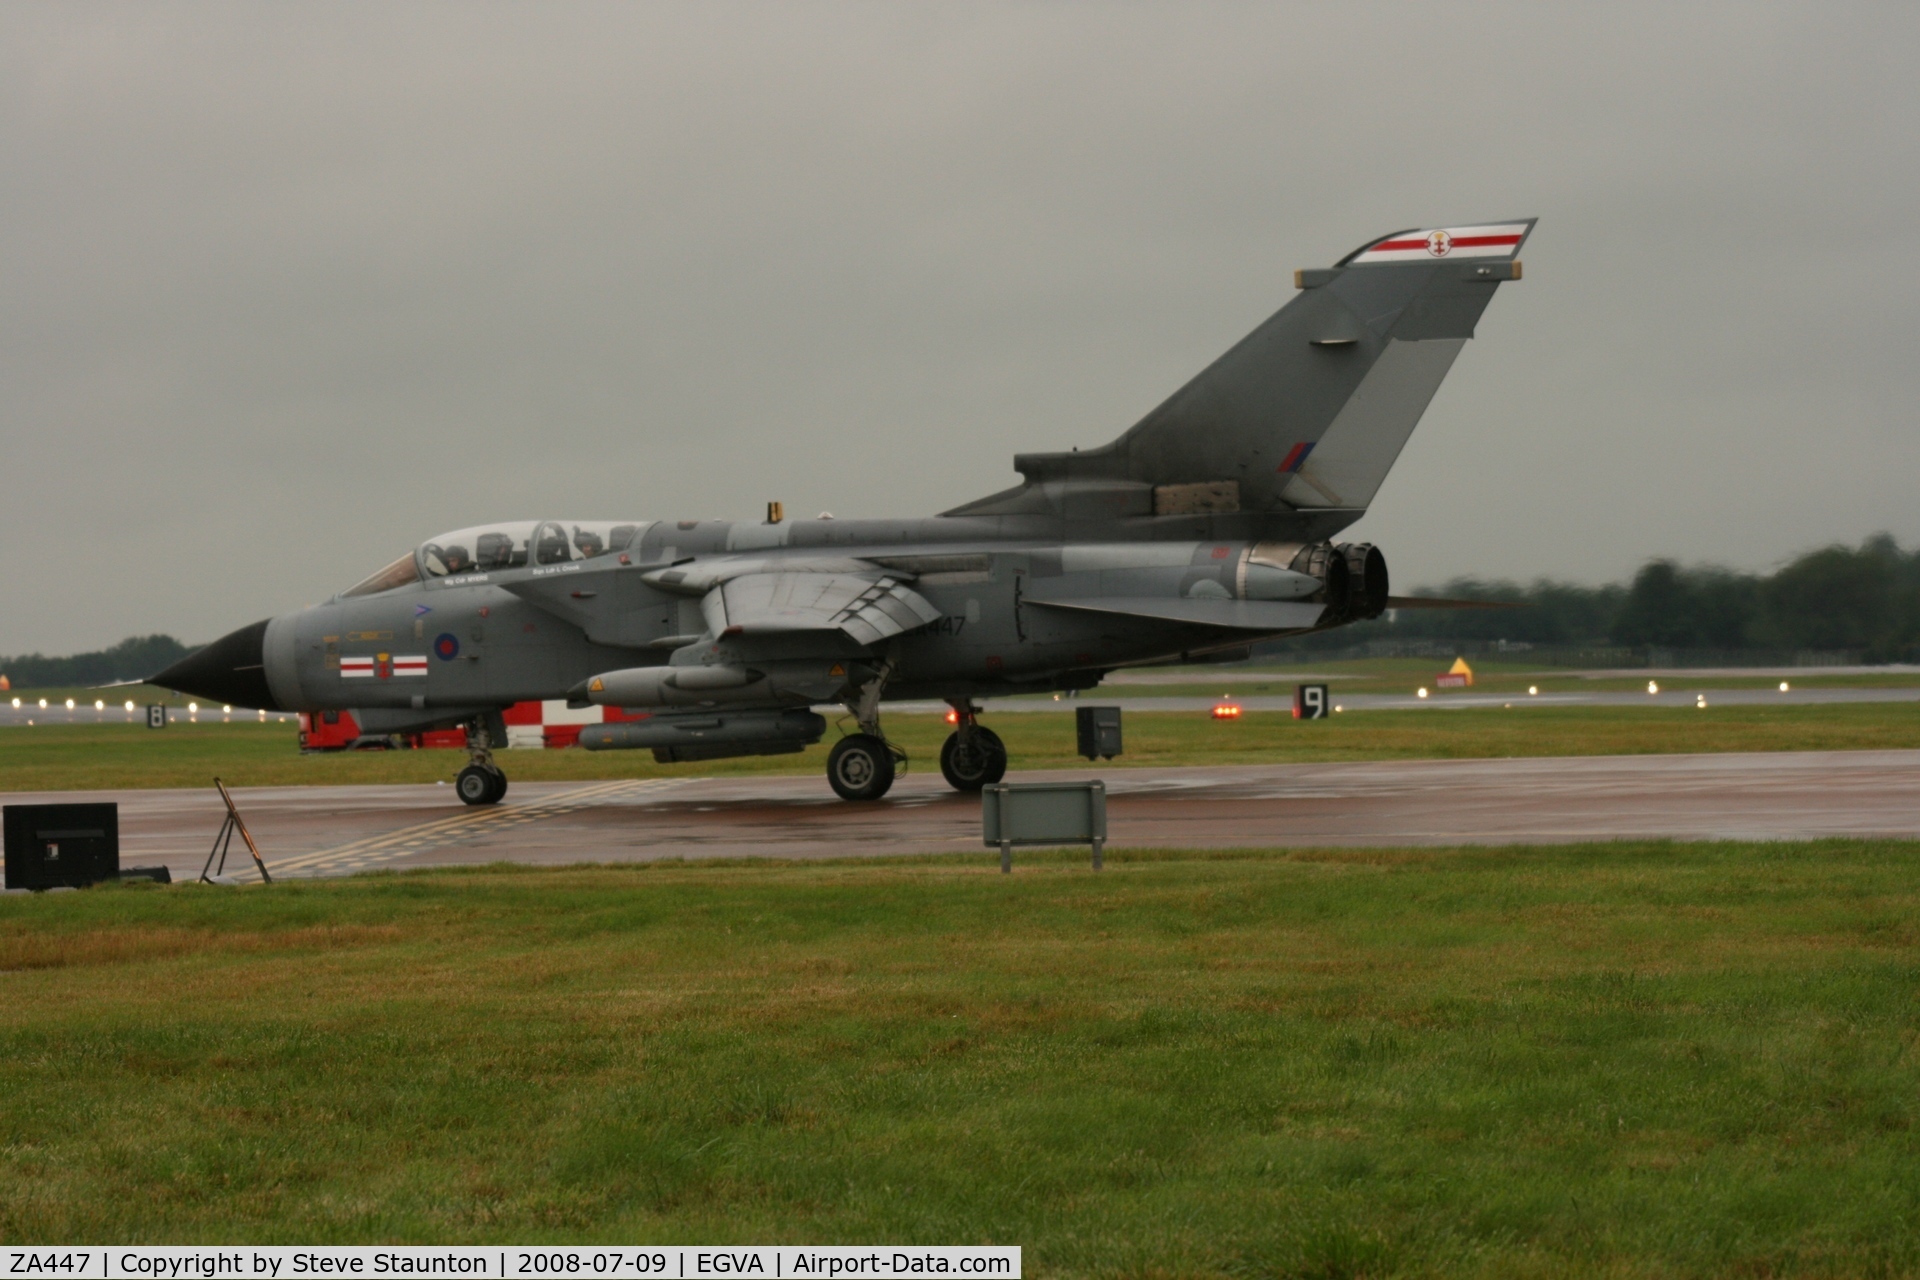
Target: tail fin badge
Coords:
[[1296, 458], [1493, 240]]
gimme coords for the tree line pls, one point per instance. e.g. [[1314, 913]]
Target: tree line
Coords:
[[1862, 600], [134, 658]]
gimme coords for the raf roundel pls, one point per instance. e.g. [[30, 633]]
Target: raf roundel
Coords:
[[447, 646]]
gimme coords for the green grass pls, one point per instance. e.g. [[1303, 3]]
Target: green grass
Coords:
[[1630, 1059], [81, 757]]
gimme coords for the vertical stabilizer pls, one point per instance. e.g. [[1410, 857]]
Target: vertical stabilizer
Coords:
[[1310, 410]]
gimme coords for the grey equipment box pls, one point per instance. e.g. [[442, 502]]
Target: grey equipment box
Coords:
[[1014, 813], [1099, 729], [51, 846]]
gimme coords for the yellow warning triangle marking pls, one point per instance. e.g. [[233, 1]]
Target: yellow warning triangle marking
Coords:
[[1460, 668], [836, 670]]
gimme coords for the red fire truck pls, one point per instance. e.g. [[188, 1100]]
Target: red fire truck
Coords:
[[550, 724]]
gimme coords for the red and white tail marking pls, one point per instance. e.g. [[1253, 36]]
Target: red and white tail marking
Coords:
[[1493, 240]]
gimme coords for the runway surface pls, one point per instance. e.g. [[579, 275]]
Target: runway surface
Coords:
[[335, 830]]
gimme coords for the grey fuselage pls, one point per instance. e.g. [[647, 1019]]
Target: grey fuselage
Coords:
[[495, 638]]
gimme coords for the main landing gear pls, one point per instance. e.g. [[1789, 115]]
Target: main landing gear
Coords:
[[482, 781], [862, 765], [973, 756]]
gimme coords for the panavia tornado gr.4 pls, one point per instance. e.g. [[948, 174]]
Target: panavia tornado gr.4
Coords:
[[1209, 524]]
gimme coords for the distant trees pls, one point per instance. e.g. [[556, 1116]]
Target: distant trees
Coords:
[[132, 659], [1865, 600], [1698, 608]]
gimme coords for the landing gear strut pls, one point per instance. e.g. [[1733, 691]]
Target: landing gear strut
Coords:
[[482, 781], [973, 756], [862, 765]]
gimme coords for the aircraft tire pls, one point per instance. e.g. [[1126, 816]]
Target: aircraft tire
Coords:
[[478, 786], [860, 767], [499, 786], [981, 764]]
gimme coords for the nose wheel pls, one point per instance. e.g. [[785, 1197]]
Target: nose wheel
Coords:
[[482, 781]]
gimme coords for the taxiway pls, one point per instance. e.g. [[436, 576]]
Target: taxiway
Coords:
[[1755, 796]]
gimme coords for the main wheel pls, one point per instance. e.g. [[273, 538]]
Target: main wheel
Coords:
[[969, 766], [860, 767], [480, 786]]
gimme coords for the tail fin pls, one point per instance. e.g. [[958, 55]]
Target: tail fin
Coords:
[[1310, 410]]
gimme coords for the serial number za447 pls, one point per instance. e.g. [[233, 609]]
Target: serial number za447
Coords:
[[51, 1263], [574, 1262]]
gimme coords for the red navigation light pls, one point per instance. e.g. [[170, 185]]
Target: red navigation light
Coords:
[[1226, 711], [953, 717]]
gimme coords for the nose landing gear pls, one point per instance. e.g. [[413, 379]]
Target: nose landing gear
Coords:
[[973, 756], [482, 781]]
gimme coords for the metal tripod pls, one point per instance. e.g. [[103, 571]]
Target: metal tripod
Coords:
[[221, 842]]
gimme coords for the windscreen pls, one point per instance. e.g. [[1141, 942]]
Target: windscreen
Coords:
[[400, 573]]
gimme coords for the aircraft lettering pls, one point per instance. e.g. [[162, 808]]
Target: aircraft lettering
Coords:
[[30, 1263], [948, 626]]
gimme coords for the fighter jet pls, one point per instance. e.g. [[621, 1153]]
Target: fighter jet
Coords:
[[1208, 525]]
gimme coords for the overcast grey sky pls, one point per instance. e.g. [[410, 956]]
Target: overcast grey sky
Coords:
[[286, 289]]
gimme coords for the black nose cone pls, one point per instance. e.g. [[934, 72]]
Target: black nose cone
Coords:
[[231, 670]]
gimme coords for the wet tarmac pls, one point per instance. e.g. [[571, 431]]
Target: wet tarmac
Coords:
[[336, 830]]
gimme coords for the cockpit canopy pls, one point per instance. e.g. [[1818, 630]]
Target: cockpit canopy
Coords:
[[511, 545]]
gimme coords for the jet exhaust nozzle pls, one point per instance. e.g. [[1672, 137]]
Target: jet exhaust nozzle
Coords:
[[1323, 561], [1367, 589]]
